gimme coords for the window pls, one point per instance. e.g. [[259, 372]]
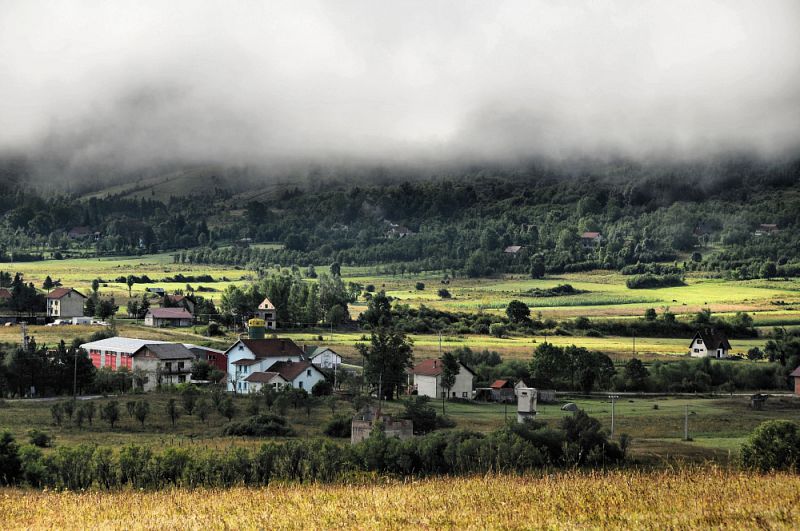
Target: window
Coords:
[[168, 366], [699, 341], [308, 372], [181, 378], [180, 365], [300, 385], [464, 395], [697, 350]]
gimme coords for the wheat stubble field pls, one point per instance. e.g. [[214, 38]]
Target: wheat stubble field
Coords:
[[692, 498]]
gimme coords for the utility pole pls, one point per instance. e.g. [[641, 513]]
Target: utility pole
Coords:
[[75, 375], [686, 422], [440, 343], [613, 402]]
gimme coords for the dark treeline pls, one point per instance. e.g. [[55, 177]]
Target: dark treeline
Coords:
[[579, 441], [457, 222]]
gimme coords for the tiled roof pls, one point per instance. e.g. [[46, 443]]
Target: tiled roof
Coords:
[[170, 313], [272, 347], [60, 292], [263, 377], [290, 370]]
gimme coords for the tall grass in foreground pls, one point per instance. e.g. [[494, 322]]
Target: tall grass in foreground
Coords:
[[692, 498]]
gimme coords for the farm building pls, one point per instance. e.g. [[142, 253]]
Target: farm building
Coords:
[[163, 364], [65, 303], [502, 391], [216, 358], [427, 380], [115, 352], [796, 375], [323, 357], [248, 356], [267, 312], [513, 249], [709, 343], [167, 317], [178, 301]]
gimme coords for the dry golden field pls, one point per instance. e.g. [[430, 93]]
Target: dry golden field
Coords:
[[685, 499]]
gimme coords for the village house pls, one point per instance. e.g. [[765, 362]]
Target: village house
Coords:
[[115, 352], [427, 380], [709, 343], [397, 231], [267, 312], [323, 357], [163, 364], [167, 317], [77, 233], [590, 239], [766, 229], [796, 375], [513, 249], [298, 374], [64, 303], [248, 356], [178, 301]]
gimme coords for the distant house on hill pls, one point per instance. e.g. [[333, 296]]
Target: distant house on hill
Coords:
[[397, 231], [76, 233], [268, 312], [766, 229], [513, 249], [167, 317], [427, 380], [590, 240], [64, 303], [709, 343]]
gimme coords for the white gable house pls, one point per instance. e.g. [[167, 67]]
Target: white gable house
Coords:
[[427, 380]]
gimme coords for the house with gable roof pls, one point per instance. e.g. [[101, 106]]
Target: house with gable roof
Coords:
[[709, 343], [427, 380], [65, 303]]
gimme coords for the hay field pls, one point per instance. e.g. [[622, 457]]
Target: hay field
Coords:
[[685, 499]]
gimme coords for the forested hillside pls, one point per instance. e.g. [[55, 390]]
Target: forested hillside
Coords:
[[701, 216]]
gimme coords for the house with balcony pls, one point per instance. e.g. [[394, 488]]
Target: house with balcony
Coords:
[[163, 364]]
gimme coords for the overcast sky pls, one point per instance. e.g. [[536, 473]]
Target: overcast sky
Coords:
[[143, 82]]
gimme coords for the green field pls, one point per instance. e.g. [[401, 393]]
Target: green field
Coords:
[[771, 303], [717, 426]]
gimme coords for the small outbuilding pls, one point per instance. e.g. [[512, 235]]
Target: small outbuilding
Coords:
[[796, 375], [168, 317]]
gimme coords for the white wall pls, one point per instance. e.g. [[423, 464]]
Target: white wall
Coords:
[[430, 385]]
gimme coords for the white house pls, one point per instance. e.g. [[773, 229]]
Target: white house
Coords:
[[299, 374], [325, 358], [427, 380], [248, 356], [267, 312], [709, 343], [65, 303]]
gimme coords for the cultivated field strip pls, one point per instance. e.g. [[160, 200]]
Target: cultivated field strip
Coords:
[[691, 498]]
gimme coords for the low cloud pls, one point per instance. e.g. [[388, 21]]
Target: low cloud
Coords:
[[131, 85]]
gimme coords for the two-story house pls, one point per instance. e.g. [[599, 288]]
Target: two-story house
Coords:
[[64, 303]]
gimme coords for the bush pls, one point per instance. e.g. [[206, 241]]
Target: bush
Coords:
[[654, 281], [40, 439], [774, 445], [444, 294], [420, 286], [9, 459], [338, 426], [322, 388], [260, 426]]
